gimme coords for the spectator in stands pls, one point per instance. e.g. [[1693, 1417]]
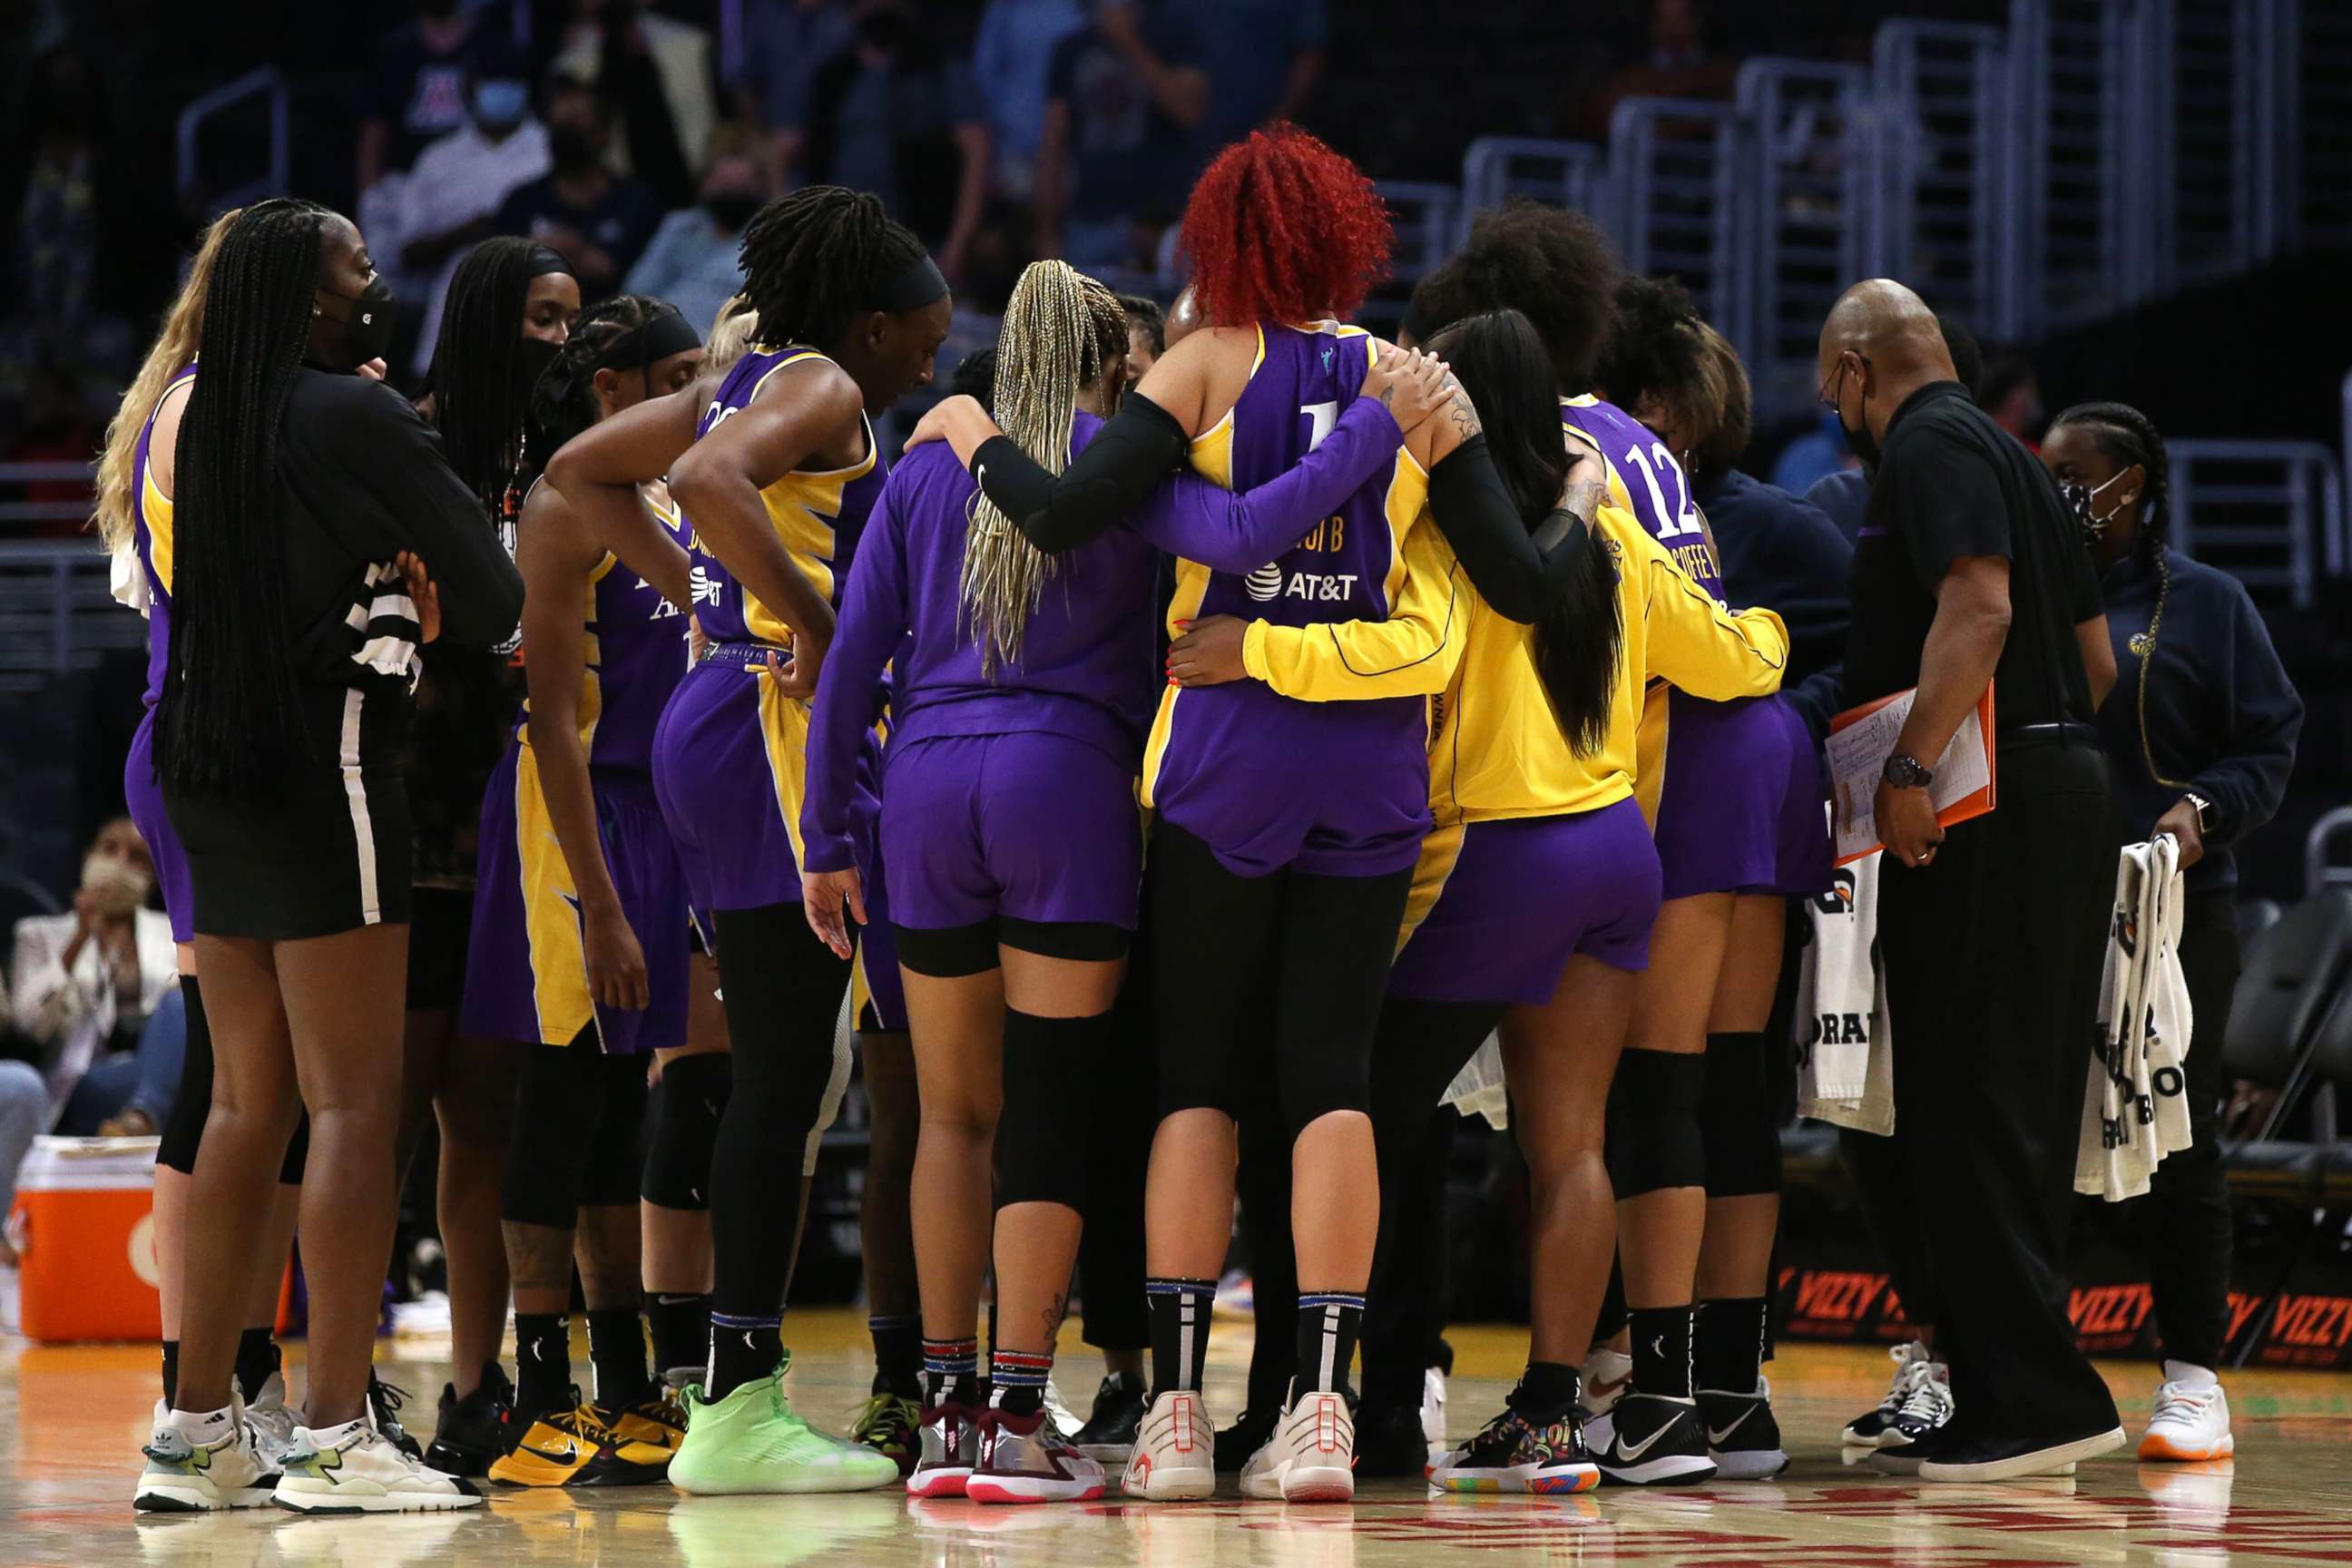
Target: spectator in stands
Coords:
[[57, 428], [1843, 490], [897, 117], [691, 261], [83, 984], [451, 201], [1679, 60], [2011, 393], [1106, 150], [417, 87], [593, 218], [23, 1112], [655, 72], [1249, 63], [785, 44], [1012, 56], [2200, 731], [55, 248]]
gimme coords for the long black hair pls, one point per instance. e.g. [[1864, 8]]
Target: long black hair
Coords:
[[563, 400], [811, 260], [1553, 265], [1502, 363], [480, 398], [228, 720]]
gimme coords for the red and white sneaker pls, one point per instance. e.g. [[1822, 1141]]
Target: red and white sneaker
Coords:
[[1311, 1457], [951, 1452], [1025, 1458], [1175, 1454]]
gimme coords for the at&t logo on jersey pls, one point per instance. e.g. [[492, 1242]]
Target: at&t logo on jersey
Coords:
[[1269, 582], [708, 590]]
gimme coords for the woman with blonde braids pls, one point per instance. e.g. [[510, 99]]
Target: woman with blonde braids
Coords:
[[1023, 687], [135, 520]]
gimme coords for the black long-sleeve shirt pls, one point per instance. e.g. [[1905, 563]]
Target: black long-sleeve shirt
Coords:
[[1787, 556], [2222, 714]]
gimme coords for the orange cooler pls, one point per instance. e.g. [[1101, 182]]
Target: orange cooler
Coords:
[[85, 1209]]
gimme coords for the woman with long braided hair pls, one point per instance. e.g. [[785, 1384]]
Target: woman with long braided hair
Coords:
[[301, 485], [776, 464], [2200, 729], [1020, 694]]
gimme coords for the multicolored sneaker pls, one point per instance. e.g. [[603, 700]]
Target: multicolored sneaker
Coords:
[[948, 1453], [201, 1463], [657, 1420], [1513, 1454], [354, 1468], [890, 1425], [752, 1441], [578, 1447], [1026, 1458]]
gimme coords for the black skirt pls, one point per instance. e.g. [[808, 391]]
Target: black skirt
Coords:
[[328, 850]]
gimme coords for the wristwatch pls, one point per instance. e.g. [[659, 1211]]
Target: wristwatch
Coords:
[[1908, 772], [2204, 810]]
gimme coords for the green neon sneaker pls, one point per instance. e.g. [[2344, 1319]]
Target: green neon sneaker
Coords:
[[753, 1441]]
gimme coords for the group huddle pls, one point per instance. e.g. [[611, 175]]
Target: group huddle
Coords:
[[1288, 712]]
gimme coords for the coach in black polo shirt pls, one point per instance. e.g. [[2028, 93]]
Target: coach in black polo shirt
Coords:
[[1968, 570]]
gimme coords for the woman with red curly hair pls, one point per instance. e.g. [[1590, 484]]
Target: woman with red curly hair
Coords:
[[1287, 830]]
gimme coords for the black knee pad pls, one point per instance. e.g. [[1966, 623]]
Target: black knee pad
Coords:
[[556, 1112], [1735, 1119], [1653, 1136], [184, 1124], [694, 1091], [1041, 1134]]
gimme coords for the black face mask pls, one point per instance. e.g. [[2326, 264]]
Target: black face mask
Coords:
[[570, 147], [368, 319], [731, 210], [532, 356]]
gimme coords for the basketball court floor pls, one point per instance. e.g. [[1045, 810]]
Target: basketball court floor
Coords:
[[72, 1420]]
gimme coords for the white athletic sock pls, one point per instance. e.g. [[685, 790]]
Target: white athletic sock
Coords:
[[2189, 1375]]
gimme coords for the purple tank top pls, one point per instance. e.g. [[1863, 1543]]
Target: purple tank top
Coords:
[[817, 516], [1647, 479], [150, 533]]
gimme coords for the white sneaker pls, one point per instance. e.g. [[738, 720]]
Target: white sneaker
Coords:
[[1311, 1457], [1608, 1373], [2191, 1422], [1175, 1456], [1918, 1400], [1433, 1407], [354, 1468], [274, 1420], [198, 1462]]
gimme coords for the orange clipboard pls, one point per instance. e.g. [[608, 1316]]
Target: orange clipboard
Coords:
[[1860, 742]]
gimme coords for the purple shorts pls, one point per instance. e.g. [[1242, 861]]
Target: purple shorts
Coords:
[[1028, 826], [877, 994], [731, 769], [526, 966], [143, 798], [1741, 809], [1499, 907]]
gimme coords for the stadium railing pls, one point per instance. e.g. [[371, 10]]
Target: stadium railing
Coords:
[[2270, 513], [263, 83], [1682, 206], [1809, 124]]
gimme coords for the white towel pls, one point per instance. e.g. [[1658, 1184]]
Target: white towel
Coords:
[[1478, 1090], [1844, 1041], [2135, 1105]]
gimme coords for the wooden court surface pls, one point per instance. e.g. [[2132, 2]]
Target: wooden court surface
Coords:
[[72, 1420]]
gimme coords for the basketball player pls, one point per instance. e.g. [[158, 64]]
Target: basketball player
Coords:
[[291, 657], [777, 465]]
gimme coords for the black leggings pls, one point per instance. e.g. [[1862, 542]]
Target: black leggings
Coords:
[[1287, 965], [1118, 1152], [782, 989], [182, 1132], [579, 1119]]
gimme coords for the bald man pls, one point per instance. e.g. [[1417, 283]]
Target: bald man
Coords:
[[1968, 570]]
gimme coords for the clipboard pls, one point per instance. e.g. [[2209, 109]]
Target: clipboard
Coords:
[[1860, 742]]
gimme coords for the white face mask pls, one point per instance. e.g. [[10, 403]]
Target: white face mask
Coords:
[[117, 886]]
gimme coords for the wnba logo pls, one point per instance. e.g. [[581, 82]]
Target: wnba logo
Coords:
[[1264, 584]]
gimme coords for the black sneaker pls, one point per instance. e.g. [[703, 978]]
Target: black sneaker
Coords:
[[472, 1433], [1245, 1436], [1653, 1441], [1742, 1438], [1390, 1441], [2014, 1458], [1108, 1434], [1918, 1400], [1903, 1457], [384, 1399]]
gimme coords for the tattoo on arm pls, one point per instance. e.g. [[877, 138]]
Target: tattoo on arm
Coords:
[[1462, 411]]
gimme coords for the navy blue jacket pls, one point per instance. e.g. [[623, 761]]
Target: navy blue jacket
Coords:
[[1845, 497], [2222, 715], [1787, 556]]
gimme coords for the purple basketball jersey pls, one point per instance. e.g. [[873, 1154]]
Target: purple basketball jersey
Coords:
[[1646, 478]]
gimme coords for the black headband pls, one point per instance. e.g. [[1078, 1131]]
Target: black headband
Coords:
[[544, 260], [912, 290], [651, 340]]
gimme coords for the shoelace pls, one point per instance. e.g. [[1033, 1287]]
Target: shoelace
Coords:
[[885, 1412], [2175, 1403], [1930, 1398], [1496, 1433], [1908, 1375]]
